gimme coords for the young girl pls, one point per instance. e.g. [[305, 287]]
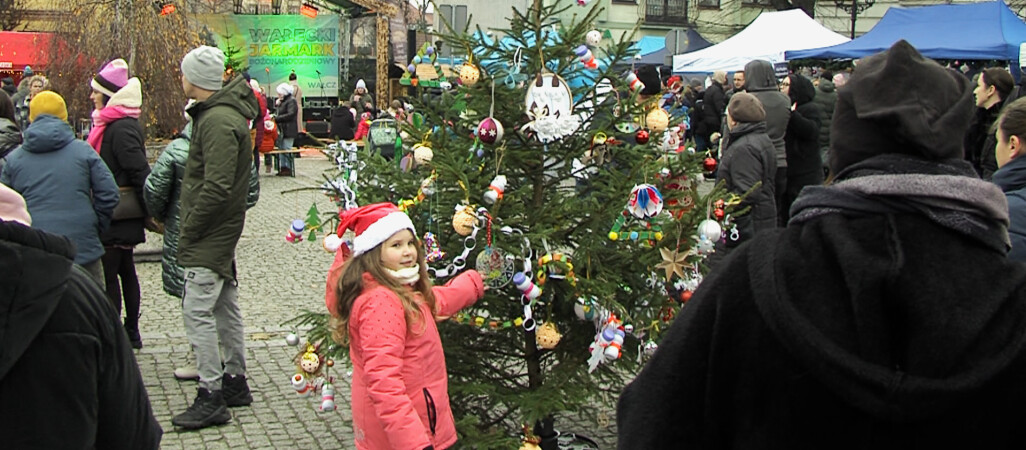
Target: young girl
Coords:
[[384, 309]]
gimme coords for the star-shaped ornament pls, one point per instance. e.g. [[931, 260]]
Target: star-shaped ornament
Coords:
[[673, 262]]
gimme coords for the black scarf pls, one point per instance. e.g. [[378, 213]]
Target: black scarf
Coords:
[[948, 193]]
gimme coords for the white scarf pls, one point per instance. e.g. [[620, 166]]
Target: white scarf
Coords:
[[408, 275]]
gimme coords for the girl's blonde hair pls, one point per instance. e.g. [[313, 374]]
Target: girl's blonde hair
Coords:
[[350, 286]]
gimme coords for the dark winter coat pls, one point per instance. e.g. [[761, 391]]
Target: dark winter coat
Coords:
[[343, 124], [980, 142], [124, 150], [285, 117], [10, 137], [216, 179], [163, 193], [68, 189], [804, 162], [761, 81], [1012, 180], [826, 98], [21, 107], [68, 378], [715, 104], [749, 159], [844, 332]]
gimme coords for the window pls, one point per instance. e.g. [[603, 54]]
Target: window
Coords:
[[709, 4]]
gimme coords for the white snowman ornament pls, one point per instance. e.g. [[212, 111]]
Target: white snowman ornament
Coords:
[[549, 104]]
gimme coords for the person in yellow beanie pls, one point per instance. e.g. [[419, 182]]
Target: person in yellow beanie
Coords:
[[48, 102], [81, 205]]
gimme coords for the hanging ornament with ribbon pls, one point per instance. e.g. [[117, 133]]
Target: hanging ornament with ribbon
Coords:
[[495, 268]]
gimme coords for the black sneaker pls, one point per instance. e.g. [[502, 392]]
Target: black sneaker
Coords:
[[208, 409], [235, 390]]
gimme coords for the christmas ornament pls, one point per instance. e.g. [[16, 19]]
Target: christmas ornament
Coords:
[[718, 214], [585, 308], [422, 154], [709, 229], [327, 397], [463, 220], [593, 38], [549, 105], [412, 68], [709, 164], [685, 296], [548, 336], [495, 268], [633, 81], [706, 246], [586, 57], [650, 348], [645, 201], [490, 131], [433, 251], [641, 137], [469, 74], [292, 340], [480, 321], [557, 266], [295, 233], [608, 343], [495, 189], [673, 263], [526, 286], [657, 120]]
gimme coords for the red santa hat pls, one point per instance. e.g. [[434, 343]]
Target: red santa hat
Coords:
[[373, 224]]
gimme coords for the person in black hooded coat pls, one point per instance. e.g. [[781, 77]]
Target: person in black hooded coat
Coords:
[[862, 324], [804, 161], [68, 378]]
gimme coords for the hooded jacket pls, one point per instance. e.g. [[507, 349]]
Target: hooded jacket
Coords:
[[123, 148], [10, 137], [980, 141], [749, 159], [216, 178], [68, 378], [842, 333], [285, 117], [1012, 180], [761, 81], [804, 163], [68, 189], [400, 387], [826, 98], [162, 194]]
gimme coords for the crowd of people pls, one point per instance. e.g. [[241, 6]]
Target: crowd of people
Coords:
[[848, 313]]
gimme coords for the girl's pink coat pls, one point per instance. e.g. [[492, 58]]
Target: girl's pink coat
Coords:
[[398, 371]]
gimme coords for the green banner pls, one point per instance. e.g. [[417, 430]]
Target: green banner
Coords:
[[273, 46]]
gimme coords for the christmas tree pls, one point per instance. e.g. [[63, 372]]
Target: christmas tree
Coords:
[[545, 170]]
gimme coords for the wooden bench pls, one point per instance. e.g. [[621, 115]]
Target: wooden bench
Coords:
[[294, 151]]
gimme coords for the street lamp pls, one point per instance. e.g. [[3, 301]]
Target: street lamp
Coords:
[[854, 7]]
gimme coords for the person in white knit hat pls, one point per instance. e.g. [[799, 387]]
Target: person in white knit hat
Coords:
[[214, 188]]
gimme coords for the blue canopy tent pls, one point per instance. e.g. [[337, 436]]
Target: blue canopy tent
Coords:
[[653, 48], [986, 30]]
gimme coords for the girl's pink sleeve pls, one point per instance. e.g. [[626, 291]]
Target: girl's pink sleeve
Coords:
[[458, 293], [381, 326]]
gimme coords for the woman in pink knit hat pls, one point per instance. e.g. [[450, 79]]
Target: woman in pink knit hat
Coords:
[[119, 139]]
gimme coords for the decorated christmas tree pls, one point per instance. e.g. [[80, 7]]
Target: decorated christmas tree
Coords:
[[539, 163]]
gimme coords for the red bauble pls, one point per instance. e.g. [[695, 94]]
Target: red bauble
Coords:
[[709, 164], [685, 296], [719, 214], [642, 137]]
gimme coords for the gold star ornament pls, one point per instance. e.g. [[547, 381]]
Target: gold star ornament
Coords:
[[673, 263]]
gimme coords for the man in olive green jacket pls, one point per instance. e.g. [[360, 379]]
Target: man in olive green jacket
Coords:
[[213, 214]]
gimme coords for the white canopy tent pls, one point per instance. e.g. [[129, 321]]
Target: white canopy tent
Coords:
[[767, 37]]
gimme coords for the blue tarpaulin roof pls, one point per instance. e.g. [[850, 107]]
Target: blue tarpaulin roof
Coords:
[[653, 48], [986, 30]]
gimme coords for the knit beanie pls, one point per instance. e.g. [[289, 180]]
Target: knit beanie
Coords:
[[360, 84], [28, 72], [373, 225], [650, 76], [12, 206], [204, 67], [897, 101], [745, 107], [284, 89], [720, 76], [48, 102], [112, 78]]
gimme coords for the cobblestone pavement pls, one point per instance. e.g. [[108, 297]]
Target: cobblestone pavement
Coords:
[[277, 280]]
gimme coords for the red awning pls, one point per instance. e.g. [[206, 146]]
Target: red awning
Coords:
[[18, 49]]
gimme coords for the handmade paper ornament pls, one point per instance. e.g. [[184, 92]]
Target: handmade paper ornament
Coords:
[[549, 104], [586, 57], [645, 201], [710, 229], [526, 286], [548, 336], [585, 308], [495, 268], [301, 385], [673, 262], [593, 38], [633, 81], [463, 220], [295, 233], [642, 137], [490, 131], [432, 251], [422, 154], [650, 348], [657, 120], [327, 398], [469, 74], [495, 189]]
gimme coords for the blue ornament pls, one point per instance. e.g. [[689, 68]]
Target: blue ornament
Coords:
[[634, 235], [416, 59], [429, 51], [411, 68]]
